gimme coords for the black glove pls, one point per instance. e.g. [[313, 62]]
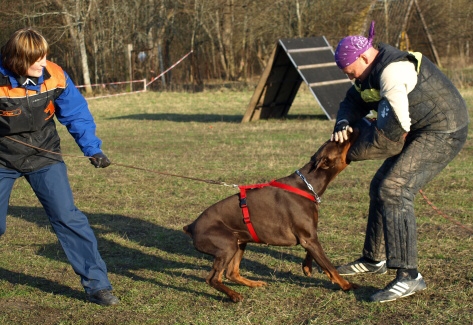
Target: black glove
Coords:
[[99, 160], [340, 131]]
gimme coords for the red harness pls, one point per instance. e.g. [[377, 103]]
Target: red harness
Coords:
[[244, 206]]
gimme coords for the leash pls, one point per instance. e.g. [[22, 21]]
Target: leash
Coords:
[[209, 181], [223, 183], [444, 215]]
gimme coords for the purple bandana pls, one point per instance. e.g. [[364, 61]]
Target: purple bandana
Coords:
[[351, 47]]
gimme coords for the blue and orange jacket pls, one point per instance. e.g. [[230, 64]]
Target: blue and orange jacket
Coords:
[[27, 114]]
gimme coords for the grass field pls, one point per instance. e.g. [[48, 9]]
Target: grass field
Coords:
[[160, 279]]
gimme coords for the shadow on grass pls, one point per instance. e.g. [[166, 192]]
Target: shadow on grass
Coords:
[[40, 283], [127, 261], [206, 118]]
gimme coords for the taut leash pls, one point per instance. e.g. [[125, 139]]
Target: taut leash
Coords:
[[209, 181]]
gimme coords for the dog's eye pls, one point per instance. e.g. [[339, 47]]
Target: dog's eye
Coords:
[[324, 163]]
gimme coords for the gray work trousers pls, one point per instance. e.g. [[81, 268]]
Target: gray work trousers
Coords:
[[391, 231]]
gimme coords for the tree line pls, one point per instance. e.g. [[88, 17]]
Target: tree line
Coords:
[[101, 41]]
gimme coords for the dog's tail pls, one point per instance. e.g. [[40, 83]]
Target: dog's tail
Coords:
[[188, 229]]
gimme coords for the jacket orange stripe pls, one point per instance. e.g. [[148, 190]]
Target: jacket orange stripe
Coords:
[[57, 80]]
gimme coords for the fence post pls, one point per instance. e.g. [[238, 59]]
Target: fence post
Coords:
[[130, 66]]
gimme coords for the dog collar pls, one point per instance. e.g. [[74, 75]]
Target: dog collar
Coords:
[[317, 198]]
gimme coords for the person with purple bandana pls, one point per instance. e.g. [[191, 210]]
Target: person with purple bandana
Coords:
[[421, 125]]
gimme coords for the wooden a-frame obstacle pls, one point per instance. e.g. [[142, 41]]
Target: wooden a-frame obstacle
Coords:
[[293, 61]]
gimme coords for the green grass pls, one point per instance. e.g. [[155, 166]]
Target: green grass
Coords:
[[138, 218]]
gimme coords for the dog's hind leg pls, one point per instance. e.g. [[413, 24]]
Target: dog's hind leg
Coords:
[[214, 279], [307, 264], [223, 246], [233, 270]]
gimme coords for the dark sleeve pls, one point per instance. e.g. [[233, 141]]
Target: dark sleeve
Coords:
[[379, 139], [353, 108]]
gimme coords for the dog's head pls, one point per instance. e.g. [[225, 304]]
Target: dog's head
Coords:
[[332, 156]]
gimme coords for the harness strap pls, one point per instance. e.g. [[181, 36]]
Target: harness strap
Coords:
[[293, 190], [244, 206], [246, 213]]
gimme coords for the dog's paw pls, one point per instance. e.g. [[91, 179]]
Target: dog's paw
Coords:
[[307, 270], [350, 286], [255, 284], [236, 297], [261, 284]]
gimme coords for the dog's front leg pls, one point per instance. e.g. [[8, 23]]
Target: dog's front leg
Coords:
[[315, 251]]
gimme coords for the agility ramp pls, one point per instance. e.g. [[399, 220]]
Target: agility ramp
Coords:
[[295, 60]]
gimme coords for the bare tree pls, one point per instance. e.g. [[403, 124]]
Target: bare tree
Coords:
[[231, 40], [75, 14]]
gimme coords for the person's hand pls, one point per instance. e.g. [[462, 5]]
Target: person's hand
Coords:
[[99, 160], [341, 131]]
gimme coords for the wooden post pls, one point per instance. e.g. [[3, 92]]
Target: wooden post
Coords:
[[259, 91], [130, 65], [161, 65]]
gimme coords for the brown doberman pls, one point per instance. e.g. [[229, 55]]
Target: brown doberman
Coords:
[[275, 216]]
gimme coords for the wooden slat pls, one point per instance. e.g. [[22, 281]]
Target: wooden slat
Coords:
[[315, 66], [312, 49], [332, 82]]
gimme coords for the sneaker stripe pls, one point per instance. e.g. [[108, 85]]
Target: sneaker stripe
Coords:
[[353, 267], [359, 268], [404, 285], [395, 292], [399, 288]]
